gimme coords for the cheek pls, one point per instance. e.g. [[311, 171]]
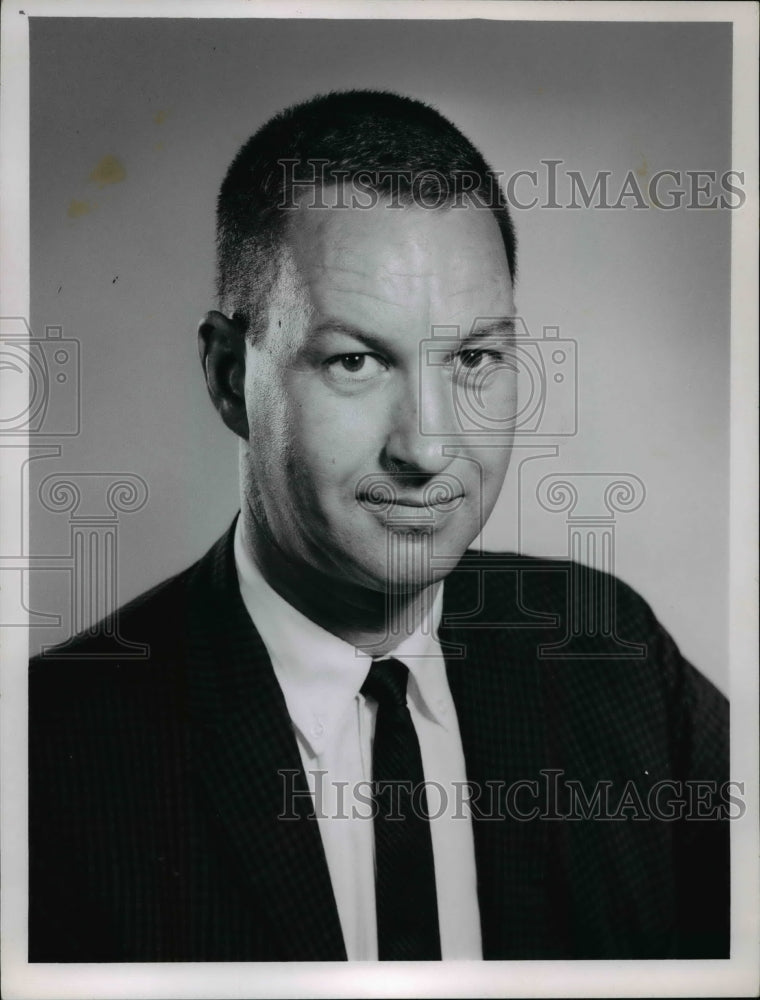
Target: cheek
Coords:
[[492, 466], [268, 422], [337, 437], [495, 478], [264, 392]]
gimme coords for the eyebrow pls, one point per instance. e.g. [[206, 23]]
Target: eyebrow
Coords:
[[504, 326], [349, 330]]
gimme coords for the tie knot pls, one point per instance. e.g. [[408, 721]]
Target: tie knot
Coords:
[[386, 683]]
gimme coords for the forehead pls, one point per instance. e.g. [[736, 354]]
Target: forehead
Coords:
[[442, 266]]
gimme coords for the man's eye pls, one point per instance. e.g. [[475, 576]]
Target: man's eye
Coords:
[[352, 368], [472, 360]]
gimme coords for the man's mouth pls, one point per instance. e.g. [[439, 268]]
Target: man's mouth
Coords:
[[421, 504], [410, 494], [433, 502]]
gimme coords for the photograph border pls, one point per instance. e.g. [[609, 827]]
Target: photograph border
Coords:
[[738, 976]]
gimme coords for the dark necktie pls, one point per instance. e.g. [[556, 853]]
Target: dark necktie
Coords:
[[407, 909]]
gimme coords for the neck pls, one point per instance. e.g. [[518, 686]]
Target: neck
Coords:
[[374, 621]]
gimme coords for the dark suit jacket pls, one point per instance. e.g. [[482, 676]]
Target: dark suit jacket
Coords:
[[155, 793]]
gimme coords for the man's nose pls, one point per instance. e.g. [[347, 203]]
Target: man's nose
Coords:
[[422, 435]]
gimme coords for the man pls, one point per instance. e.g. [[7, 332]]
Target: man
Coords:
[[352, 738]]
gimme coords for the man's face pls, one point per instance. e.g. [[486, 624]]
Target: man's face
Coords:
[[357, 447]]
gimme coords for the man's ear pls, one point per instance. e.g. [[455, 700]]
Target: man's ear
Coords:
[[221, 346]]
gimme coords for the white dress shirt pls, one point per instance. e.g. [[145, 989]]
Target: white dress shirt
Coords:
[[320, 676]]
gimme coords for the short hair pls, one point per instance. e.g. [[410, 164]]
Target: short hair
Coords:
[[385, 137]]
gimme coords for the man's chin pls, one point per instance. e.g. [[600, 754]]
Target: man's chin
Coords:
[[404, 559], [406, 573]]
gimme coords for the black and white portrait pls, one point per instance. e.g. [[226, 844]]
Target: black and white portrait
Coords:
[[376, 463]]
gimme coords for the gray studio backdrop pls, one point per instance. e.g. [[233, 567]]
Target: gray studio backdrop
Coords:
[[133, 123]]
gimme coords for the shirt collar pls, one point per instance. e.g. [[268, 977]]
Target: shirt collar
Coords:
[[320, 674]]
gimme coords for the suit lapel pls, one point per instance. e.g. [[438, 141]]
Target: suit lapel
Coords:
[[244, 749], [243, 744], [496, 688]]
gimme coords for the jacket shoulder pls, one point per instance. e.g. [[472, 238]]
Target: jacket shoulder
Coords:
[[130, 658], [139, 618], [580, 625], [549, 585]]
